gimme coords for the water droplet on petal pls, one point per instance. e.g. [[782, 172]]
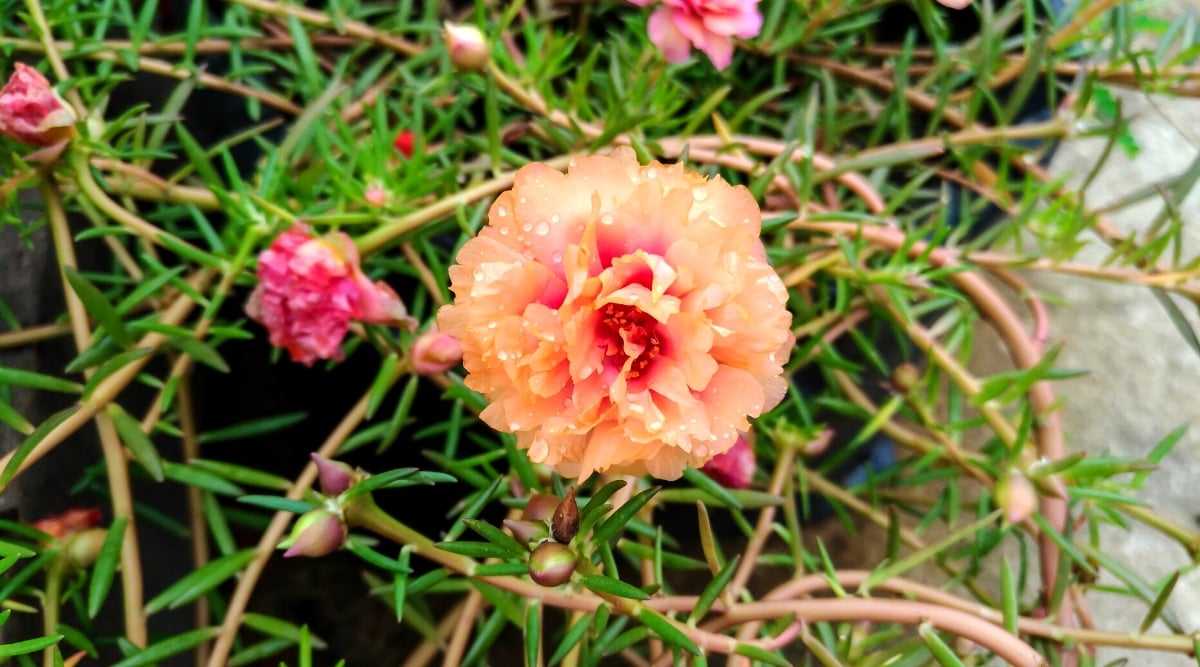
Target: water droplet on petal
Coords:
[[528, 227], [543, 228], [504, 231], [479, 275], [556, 257], [502, 212], [555, 218], [700, 194], [606, 219], [522, 199]]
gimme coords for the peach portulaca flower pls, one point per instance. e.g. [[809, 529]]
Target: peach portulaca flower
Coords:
[[709, 25], [620, 317], [31, 112], [309, 289]]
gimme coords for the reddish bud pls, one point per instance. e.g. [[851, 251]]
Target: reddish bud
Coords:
[[1016, 496], [316, 533], [334, 477], [905, 377], [435, 352], [564, 525], [527, 532], [375, 196], [468, 48], [404, 143], [540, 507], [735, 468], [551, 564]]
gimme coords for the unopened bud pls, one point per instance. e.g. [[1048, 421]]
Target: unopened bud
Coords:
[[551, 564], [375, 196], [527, 532], [83, 548], [565, 523], [540, 507], [334, 477], [435, 352], [1016, 496], [316, 533], [905, 377], [468, 48], [734, 469]]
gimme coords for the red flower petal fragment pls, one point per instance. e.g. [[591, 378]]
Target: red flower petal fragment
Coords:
[[310, 289], [31, 112], [404, 143]]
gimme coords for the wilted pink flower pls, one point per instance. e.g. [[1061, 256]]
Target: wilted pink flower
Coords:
[[31, 112], [309, 289], [74, 520], [621, 318], [735, 468], [708, 25]]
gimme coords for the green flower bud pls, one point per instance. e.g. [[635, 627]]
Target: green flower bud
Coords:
[[551, 564], [316, 533]]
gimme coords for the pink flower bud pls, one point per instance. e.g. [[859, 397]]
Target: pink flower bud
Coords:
[[540, 507], [435, 352], [31, 112], [552, 564], [309, 289], [316, 533], [735, 468], [527, 532], [334, 476], [1016, 496], [375, 196], [468, 48]]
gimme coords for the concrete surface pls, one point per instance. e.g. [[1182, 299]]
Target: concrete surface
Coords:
[[1144, 378]]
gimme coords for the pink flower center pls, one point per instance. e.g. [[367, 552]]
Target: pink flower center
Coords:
[[624, 328]]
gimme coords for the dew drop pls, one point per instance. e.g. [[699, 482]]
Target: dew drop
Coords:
[[654, 426], [651, 173], [479, 275], [502, 355], [543, 228], [700, 194], [606, 219], [522, 199], [502, 212], [504, 231], [555, 218], [556, 257], [514, 426], [527, 227], [491, 325]]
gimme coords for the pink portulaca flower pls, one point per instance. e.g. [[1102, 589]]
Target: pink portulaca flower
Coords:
[[620, 317], [708, 25], [735, 468], [31, 112], [309, 290]]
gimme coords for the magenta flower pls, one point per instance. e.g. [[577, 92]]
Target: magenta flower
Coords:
[[31, 112], [708, 25], [735, 468], [309, 290]]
